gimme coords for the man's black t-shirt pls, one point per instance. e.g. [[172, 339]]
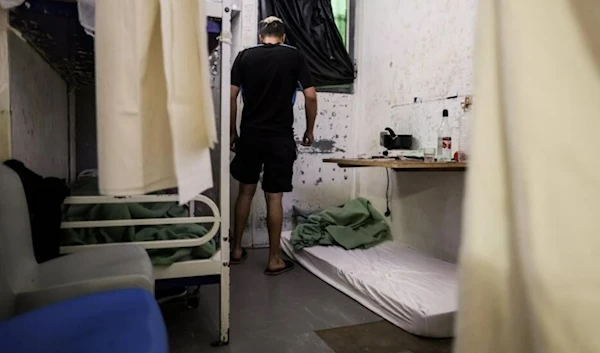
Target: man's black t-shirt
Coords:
[[268, 76]]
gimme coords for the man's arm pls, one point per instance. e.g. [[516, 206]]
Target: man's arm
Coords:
[[236, 83], [233, 134], [310, 97]]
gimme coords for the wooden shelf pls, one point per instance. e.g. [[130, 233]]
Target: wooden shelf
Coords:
[[398, 165]]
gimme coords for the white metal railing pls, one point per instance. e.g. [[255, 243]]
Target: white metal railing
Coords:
[[215, 219]]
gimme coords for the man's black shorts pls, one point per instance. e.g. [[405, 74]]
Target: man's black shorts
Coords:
[[274, 155]]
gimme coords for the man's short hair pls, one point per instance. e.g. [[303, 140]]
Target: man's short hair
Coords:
[[271, 27]]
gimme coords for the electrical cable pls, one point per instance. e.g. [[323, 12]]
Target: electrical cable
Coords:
[[388, 212]]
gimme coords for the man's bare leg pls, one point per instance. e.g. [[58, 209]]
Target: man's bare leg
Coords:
[[274, 224], [242, 211]]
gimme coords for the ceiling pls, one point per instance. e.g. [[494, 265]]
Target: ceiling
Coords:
[[52, 28]]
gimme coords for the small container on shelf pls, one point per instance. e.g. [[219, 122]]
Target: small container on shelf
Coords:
[[429, 155]]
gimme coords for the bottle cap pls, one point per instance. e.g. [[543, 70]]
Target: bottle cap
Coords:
[[445, 112]]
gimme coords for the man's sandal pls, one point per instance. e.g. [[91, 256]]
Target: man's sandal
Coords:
[[288, 267], [235, 261]]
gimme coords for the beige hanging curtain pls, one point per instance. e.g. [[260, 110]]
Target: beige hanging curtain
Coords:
[[530, 259], [155, 112]]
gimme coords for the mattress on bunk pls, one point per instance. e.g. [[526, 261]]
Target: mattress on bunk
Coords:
[[413, 291]]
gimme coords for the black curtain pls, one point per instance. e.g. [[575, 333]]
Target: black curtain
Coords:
[[311, 28]]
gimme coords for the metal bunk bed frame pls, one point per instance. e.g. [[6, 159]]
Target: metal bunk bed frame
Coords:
[[218, 264]]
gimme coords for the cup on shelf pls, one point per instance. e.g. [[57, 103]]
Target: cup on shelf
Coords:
[[429, 155]]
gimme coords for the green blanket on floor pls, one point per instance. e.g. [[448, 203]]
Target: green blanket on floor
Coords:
[[88, 186], [356, 225]]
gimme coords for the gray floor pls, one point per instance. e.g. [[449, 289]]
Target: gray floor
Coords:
[[268, 314]]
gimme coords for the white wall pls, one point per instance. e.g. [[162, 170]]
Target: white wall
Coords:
[[408, 49], [39, 109]]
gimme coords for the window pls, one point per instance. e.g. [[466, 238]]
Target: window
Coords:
[[340, 14], [343, 14]]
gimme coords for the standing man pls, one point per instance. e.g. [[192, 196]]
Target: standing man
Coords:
[[268, 76]]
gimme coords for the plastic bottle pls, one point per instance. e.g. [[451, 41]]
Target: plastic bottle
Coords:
[[444, 149]]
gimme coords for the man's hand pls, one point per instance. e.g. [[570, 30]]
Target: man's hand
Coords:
[[233, 137], [310, 106], [308, 139]]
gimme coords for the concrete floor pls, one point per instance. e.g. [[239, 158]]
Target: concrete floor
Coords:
[[268, 314]]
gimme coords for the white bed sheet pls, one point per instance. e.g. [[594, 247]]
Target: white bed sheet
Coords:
[[413, 291]]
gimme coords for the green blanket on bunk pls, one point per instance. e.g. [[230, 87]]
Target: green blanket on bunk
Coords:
[[88, 186], [356, 225]]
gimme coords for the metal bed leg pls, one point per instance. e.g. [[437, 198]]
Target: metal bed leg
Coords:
[[224, 306], [192, 297], [224, 195], [224, 290]]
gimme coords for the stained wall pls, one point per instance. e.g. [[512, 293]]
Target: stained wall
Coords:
[[39, 111], [415, 60]]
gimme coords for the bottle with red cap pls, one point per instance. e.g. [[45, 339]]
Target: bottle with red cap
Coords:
[[444, 150]]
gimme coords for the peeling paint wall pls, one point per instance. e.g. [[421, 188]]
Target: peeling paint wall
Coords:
[[38, 101], [413, 56], [316, 185]]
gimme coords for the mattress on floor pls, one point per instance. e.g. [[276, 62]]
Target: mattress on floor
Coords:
[[413, 291]]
